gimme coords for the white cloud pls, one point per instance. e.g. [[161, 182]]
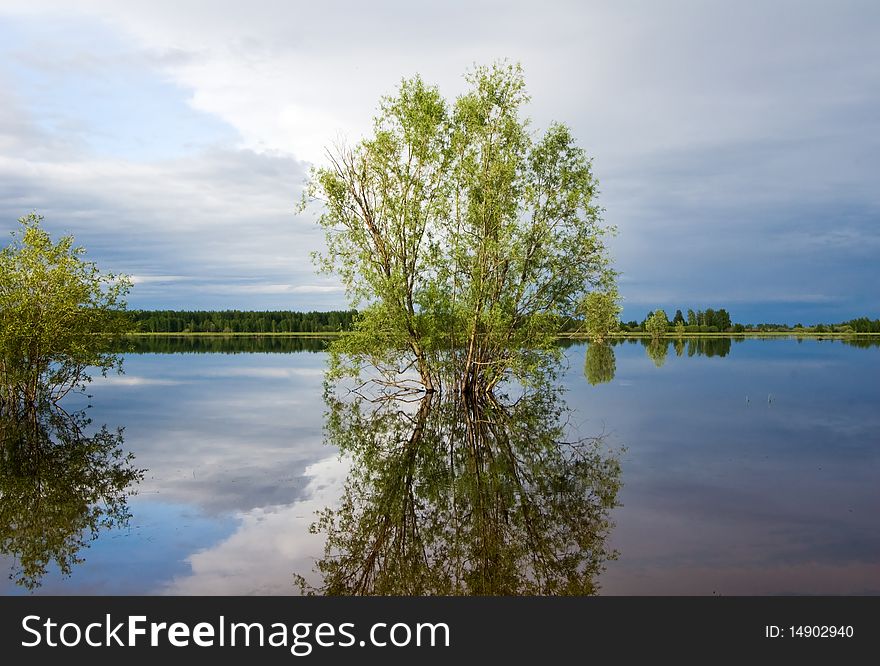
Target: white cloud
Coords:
[[219, 223], [129, 380], [269, 288], [270, 545], [147, 279]]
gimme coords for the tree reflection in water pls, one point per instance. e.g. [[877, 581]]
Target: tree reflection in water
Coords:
[[599, 363], [474, 494], [59, 487]]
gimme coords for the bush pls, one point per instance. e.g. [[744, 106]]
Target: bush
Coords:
[[59, 314]]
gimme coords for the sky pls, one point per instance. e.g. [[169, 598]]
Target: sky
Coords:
[[737, 145]]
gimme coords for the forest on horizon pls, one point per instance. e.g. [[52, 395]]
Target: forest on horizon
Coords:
[[334, 321]]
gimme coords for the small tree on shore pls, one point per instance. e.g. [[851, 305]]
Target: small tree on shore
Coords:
[[601, 314], [657, 324]]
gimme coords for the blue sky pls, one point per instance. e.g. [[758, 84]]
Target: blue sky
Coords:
[[737, 144]]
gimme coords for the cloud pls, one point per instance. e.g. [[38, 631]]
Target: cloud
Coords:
[[148, 279], [268, 288], [218, 223], [129, 380], [270, 545], [733, 143]]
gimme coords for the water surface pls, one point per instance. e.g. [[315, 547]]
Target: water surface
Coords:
[[748, 467]]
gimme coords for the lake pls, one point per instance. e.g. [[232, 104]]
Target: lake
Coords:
[[745, 467]]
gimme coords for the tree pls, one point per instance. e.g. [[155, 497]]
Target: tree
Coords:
[[692, 318], [657, 324], [58, 313], [710, 317], [678, 318], [601, 312], [468, 238]]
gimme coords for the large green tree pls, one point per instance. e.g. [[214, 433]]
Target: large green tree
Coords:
[[467, 236], [58, 314]]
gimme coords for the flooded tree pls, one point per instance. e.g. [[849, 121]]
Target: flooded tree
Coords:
[[468, 237], [58, 313], [61, 482]]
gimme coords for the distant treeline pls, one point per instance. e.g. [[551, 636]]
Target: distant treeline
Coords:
[[290, 321], [719, 321], [242, 321], [697, 321], [863, 325]]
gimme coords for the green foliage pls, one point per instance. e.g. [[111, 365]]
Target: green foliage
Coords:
[[238, 321], [601, 314], [469, 239], [58, 312], [864, 325], [657, 324]]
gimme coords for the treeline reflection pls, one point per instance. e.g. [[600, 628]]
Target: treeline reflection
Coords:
[[280, 344], [600, 362], [222, 344]]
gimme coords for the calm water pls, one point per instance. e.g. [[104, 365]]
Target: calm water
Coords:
[[748, 467]]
